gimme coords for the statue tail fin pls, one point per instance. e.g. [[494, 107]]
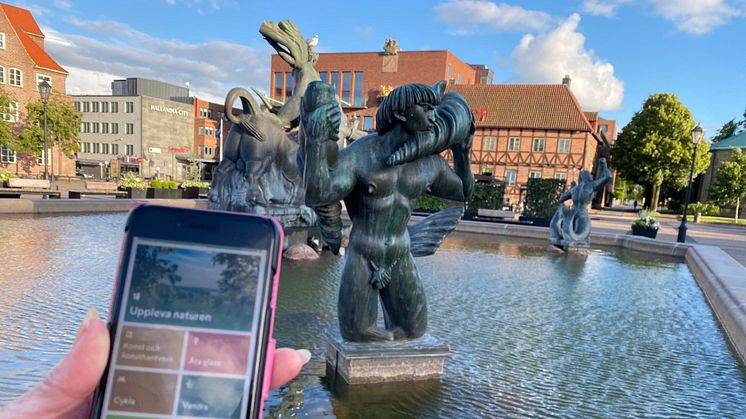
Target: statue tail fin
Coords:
[[427, 235]]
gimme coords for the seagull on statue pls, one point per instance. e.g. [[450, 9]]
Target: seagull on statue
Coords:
[[312, 42]]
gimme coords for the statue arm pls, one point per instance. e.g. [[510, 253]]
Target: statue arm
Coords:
[[328, 176], [448, 183]]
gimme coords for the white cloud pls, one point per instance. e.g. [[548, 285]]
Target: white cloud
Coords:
[[696, 16], [547, 58], [365, 32], [63, 4], [468, 16], [602, 7], [118, 51]]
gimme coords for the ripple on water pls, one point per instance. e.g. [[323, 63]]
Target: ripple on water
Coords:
[[531, 335]]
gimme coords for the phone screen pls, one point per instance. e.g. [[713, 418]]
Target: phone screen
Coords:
[[185, 337]]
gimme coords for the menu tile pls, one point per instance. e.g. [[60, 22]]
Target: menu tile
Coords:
[[142, 392], [150, 347]]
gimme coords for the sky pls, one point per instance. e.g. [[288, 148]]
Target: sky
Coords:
[[617, 52]]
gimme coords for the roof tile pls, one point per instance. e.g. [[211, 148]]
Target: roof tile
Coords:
[[539, 106], [24, 24]]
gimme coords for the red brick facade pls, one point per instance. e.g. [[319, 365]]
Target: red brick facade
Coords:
[[24, 50], [378, 70]]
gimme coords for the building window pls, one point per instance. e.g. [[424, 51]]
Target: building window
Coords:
[[203, 112], [324, 76], [560, 175], [105, 107], [77, 106], [2, 74], [130, 149], [368, 123], [7, 155], [15, 77], [534, 175], [96, 126], [40, 78], [458, 78], [359, 89], [277, 93], [114, 107], [514, 144], [42, 156], [10, 113], [86, 147], [95, 107], [86, 127], [209, 131], [115, 149], [86, 106], [489, 143], [335, 81], [130, 129], [115, 127], [2, 40], [347, 87], [288, 84], [105, 148], [538, 145], [563, 145], [96, 148], [510, 176], [129, 107], [104, 127]]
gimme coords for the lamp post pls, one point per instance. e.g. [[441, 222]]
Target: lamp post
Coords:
[[44, 90], [697, 134]]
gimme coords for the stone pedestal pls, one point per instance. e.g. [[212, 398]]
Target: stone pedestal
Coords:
[[375, 362]]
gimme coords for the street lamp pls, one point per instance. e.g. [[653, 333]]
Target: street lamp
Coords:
[[697, 134], [44, 90]]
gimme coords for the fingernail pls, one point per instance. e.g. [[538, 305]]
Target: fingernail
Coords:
[[305, 354], [92, 314]]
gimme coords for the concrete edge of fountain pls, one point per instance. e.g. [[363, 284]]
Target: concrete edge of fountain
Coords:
[[78, 206]]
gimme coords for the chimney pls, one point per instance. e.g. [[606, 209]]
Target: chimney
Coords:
[[566, 80]]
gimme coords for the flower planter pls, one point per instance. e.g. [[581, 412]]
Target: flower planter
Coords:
[[697, 215], [644, 231], [158, 193], [135, 193], [193, 192]]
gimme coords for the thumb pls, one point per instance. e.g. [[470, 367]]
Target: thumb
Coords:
[[69, 385]]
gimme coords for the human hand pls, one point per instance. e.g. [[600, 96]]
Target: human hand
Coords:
[[322, 123], [66, 391]]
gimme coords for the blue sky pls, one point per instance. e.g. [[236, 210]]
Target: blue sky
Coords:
[[617, 51]]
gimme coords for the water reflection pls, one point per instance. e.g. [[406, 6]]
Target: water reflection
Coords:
[[607, 334]]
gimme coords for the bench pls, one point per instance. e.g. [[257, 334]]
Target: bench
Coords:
[[98, 188], [17, 186], [495, 214]]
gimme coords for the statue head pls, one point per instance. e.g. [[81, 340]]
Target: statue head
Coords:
[[585, 177], [400, 106]]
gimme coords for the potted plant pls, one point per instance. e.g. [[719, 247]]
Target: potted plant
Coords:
[[699, 208], [163, 190], [645, 225], [194, 189], [4, 176], [135, 187]]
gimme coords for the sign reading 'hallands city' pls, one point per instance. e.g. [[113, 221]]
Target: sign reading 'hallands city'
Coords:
[[167, 109]]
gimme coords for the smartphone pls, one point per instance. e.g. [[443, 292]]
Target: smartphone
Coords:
[[192, 315]]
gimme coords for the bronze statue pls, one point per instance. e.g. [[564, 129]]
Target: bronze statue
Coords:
[[571, 226], [379, 177], [258, 173]]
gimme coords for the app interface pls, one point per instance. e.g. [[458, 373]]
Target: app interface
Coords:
[[183, 347]]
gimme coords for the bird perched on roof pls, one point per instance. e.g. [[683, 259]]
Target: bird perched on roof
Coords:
[[312, 42]]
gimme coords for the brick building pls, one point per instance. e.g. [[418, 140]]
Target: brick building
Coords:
[[362, 78], [529, 130], [23, 65], [208, 132]]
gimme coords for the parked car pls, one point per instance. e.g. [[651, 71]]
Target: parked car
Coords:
[[83, 175]]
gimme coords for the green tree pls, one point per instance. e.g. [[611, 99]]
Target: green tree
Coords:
[[727, 130], [63, 125], [6, 127], [730, 182], [656, 146], [621, 188]]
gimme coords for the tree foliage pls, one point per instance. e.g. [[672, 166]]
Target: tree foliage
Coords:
[[6, 127], [730, 182], [542, 197], [730, 129], [656, 145], [63, 125]]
